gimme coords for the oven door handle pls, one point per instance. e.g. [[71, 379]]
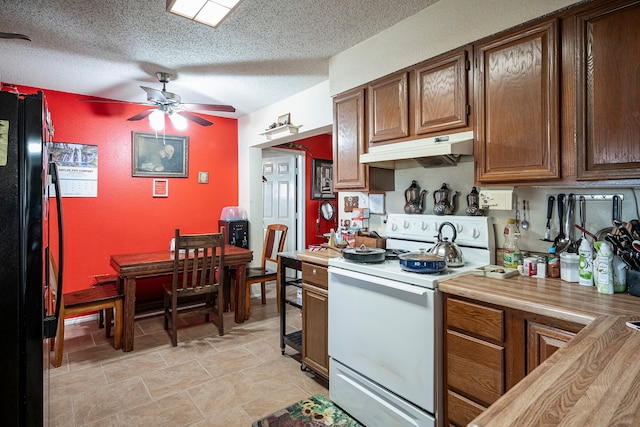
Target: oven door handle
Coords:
[[412, 289]]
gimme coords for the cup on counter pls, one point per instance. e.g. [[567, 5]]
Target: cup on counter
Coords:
[[569, 267]]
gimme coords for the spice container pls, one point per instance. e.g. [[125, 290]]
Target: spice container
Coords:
[[553, 263], [541, 270]]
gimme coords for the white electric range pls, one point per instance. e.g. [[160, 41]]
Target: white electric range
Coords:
[[385, 324]]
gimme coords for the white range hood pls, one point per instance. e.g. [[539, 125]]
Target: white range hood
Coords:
[[435, 151]]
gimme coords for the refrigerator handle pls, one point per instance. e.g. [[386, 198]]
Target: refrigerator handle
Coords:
[[51, 322]]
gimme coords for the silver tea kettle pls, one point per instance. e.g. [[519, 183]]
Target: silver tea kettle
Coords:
[[448, 249]]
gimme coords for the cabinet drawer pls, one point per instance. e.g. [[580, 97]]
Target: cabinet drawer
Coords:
[[315, 274], [460, 410], [476, 319], [475, 367]]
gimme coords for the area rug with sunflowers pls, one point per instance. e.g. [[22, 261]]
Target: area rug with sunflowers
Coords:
[[315, 411]]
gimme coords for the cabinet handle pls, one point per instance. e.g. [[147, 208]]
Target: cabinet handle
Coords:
[[314, 271]]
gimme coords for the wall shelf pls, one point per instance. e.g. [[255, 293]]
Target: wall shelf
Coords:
[[280, 131]]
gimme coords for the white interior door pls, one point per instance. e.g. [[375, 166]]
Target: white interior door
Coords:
[[279, 194]]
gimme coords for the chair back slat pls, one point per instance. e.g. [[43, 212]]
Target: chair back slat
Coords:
[[201, 256], [274, 241]]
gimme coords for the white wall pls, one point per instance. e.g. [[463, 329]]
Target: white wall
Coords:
[[313, 109]]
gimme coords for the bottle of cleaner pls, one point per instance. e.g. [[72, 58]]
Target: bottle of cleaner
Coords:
[[511, 252], [605, 268], [585, 263], [619, 275]]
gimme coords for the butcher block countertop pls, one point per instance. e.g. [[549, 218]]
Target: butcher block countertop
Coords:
[[549, 297], [593, 380], [320, 257]]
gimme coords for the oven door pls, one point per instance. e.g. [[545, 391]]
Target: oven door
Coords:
[[386, 331]]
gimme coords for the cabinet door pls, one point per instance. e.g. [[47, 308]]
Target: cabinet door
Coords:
[[517, 106], [542, 342], [349, 141], [388, 108], [315, 308], [608, 104], [441, 98]]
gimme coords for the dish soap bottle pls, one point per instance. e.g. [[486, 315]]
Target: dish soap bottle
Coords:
[[605, 269], [585, 263], [511, 252]]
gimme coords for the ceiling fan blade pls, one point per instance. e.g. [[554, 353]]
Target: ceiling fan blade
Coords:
[[14, 36], [142, 115], [209, 107], [194, 118], [154, 95], [112, 101]]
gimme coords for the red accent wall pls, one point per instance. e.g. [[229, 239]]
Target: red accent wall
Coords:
[[319, 147], [125, 217]]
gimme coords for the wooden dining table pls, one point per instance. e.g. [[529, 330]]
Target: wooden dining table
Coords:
[[130, 267]]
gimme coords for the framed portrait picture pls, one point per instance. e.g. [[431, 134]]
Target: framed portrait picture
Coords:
[[322, 179], [159, 155]]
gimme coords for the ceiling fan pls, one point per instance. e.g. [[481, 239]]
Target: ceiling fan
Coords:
[[170, 104]]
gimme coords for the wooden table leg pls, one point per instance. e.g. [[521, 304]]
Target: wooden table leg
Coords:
[[129, 313], [240, 292]]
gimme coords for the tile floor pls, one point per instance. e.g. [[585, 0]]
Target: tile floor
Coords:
[[208, 380]]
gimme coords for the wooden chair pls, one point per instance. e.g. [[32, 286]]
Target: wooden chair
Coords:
[[96, 298], [274, 240], [201, 274]]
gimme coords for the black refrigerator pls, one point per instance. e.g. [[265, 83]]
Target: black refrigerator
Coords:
[[27, 308]]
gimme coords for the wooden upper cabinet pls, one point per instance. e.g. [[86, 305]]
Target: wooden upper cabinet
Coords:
[[608, 97], [389, 108], [349, 140], [517, 106], [441, 100]]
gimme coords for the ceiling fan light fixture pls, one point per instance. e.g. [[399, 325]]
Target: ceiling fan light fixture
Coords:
[[178, 121], [156, 120], [208, 12]]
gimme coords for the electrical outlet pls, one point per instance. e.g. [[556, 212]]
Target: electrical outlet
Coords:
[[496, 199]]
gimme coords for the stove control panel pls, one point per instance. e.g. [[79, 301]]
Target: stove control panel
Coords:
[[474, 231]]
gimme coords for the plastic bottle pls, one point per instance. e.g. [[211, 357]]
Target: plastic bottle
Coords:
[[511, 253], [585, 263], [553, 263], [619, 275], [332, 237], [605, 269]]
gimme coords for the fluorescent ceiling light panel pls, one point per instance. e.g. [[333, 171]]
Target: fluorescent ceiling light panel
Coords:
[[208, 12]]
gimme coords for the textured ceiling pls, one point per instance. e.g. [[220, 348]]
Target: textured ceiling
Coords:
[[265, 51]]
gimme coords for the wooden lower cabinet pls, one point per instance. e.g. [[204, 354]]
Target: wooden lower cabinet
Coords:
[[542, 341], [475, 367], [489, 349], [315, 315], [461, 409]]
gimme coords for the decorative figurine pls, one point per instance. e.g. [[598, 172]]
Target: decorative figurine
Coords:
[[442, 205], [473, 203], [414, 198]]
